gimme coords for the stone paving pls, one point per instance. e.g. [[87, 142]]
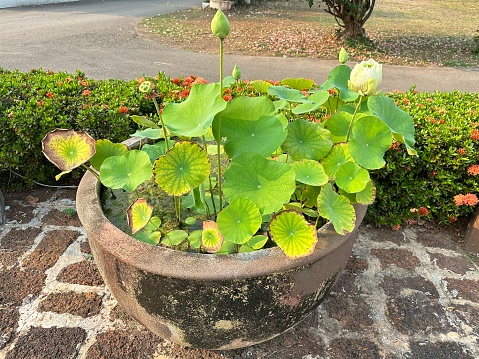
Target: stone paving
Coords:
[[411, 293]]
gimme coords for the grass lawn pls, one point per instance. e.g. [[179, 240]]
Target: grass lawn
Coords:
[[402, 32]]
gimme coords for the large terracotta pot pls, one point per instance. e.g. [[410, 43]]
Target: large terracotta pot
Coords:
[[211, 301]]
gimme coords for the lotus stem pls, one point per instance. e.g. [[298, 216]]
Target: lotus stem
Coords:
[[162, 123], [92, 171], [211, 186], [354, 115], [219, 130]]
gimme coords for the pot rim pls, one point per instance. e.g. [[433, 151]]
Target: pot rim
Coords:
[[187, 265]]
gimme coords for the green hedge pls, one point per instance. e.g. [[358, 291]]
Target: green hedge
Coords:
[[447, 124], [447, 136], [33, 103]]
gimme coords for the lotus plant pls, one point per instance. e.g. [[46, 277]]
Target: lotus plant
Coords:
[[255, 171]]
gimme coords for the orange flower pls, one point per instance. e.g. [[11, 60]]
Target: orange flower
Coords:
[[49, 94], [123, 109], [423, 211], [227, 98], [199, 80], [406, 101], [40, 103], [176, 80], [473, 170], [396, 227], [184, 93], [475, 134], [461, 151], [467, 200], [83, 83], [86, 92]]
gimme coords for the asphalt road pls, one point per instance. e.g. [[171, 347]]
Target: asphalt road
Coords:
[[99, 38]]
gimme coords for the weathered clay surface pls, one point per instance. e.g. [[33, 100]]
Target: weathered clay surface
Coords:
[[212, 302]]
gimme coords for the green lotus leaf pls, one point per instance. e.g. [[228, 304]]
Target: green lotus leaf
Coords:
[[245, 249], [151, 133], [369, 141], [293, 234], [351, 177], [126, 171], [105, 149], [337, 209], [367, 195], [309, 196], [288, 94], [148, 237], [257, 242], [193, 117], [338, 78], [298, 83], [310, 172], [153, 224], [227, 248], [144, 121], [315, 101], [338, 155], [239, 221], [260, 85], [174, 237], [307, 140], [211, 238], [269, 184], [194, 239], [183, 168], [157, 150], [338, 125], [246, 108], [139, 214], [264, 136], [68, 149], [400, 123]]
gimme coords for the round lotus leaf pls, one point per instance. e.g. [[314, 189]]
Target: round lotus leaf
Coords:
[[139, 214], [194, 116], [68, 149], [105, 149], [352, 178], [264, 135], [310, 172], [183, 168], [239, 221], [298, 83], [369, 141], [211, 238], [126, 171], [293, 234], [307, 140], [269, 184], [337, 209], [315, 101], [367, 195], [338, 155]]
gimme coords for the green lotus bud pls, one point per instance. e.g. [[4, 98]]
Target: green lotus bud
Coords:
[[366, 77], [236, 73], [220, 26], [343, 56], [145, 87]]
